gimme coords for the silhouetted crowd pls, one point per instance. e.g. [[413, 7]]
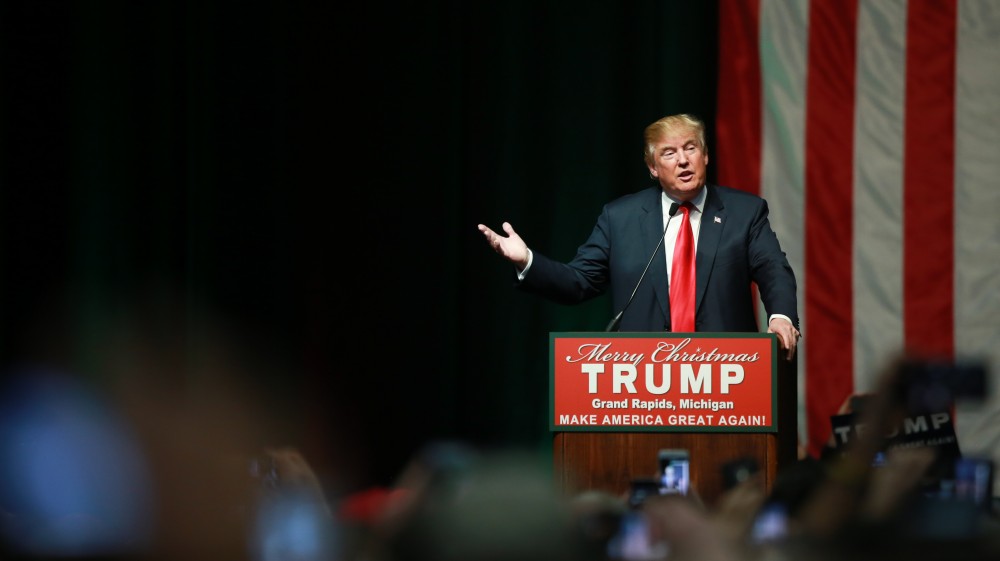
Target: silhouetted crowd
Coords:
[[146, 468]]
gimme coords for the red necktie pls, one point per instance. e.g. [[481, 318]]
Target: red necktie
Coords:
[[682, 277]]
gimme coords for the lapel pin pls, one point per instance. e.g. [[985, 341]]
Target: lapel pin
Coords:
[[718, 220]]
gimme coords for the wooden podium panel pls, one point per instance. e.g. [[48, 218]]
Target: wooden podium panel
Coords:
[[609, 461]]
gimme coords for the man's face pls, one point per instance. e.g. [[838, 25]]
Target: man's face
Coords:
[[679, 164]]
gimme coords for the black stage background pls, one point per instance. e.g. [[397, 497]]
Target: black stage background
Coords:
[[311, 176]]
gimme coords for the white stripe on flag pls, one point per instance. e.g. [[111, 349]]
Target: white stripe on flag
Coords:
[[783, 39], [977, 211], [878, 187]]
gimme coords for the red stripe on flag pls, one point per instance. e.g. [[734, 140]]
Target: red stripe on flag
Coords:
[[928, 176], [738, 102], [738, 128], [828, 209]]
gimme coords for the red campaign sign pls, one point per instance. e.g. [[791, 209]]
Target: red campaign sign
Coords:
[[719, 382]]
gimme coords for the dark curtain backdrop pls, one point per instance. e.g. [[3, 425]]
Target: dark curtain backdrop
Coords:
[[310, 175]]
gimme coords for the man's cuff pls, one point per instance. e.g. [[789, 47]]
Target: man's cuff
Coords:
[[520, 274], [783, 316]]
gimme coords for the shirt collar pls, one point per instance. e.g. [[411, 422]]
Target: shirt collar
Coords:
[[698, 201]]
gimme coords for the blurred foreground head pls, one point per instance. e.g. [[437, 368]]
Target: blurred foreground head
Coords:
[[135, 440], [493, 506]]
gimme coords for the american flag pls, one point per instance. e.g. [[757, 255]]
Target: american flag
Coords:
[[872, 128]]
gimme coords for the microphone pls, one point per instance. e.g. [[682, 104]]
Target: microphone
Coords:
[[613, 324]]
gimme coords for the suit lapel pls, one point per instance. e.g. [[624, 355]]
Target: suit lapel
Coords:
[[652, 233], [713, 222]]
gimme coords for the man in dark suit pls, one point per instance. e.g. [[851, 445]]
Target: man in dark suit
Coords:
[[734, 243]]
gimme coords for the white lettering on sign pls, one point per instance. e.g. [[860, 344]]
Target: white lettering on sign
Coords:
[[593, 352], [694, 379]]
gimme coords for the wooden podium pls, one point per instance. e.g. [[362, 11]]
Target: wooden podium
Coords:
[[608, 458]]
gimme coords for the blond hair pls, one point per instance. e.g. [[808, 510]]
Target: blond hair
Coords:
[[679, 123]]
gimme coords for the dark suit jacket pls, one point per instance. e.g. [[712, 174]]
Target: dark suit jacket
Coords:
[[736, 246]]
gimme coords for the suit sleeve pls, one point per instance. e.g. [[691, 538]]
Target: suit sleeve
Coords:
[[583, 278], [769, 268]]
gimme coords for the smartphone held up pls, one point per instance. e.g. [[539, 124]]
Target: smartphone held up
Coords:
[[675, 471]]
